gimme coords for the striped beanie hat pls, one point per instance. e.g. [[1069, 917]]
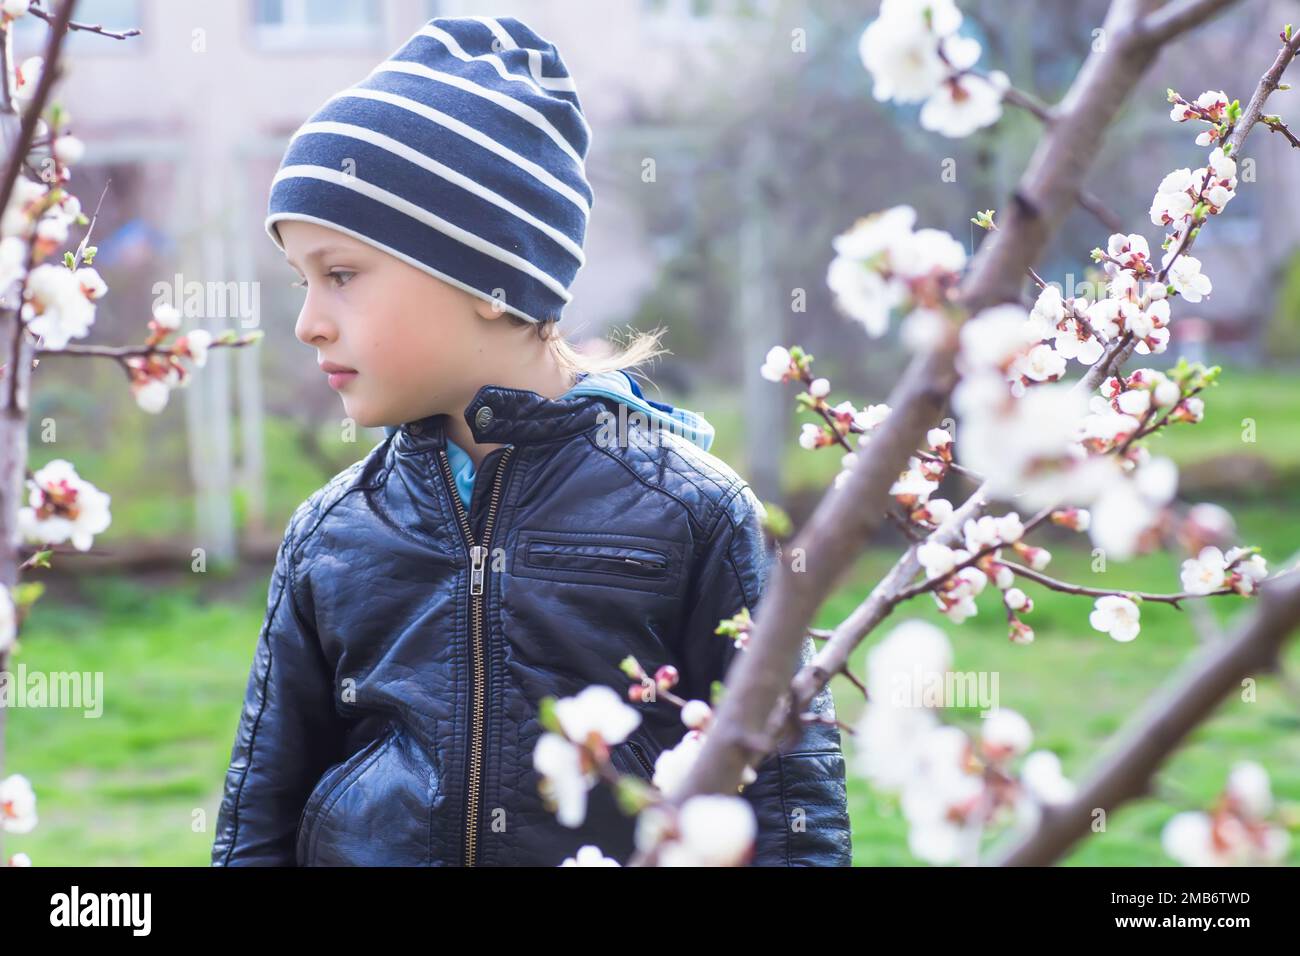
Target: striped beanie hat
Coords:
[[462, 154]]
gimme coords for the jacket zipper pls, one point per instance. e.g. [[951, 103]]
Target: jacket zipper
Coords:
[[478, 572]]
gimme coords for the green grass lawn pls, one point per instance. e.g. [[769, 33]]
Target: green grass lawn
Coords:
[[140, 785]]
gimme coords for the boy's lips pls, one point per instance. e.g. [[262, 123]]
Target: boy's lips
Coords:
[[339, 375]]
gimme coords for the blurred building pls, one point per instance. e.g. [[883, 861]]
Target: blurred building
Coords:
[[205, 99]]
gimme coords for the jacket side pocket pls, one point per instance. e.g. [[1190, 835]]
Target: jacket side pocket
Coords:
[[631, 756], [330, 781], [378, 809]]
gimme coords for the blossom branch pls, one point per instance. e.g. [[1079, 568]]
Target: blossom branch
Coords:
[[931, 584], [834, 655], [1276, 125], [849, 514], [122, 353], [1252, 115], [49, 72], [97, 28], [1028, 102], [1067, 588], [1150, 737]]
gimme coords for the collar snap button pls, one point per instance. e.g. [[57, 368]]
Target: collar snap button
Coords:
[[483, 418]]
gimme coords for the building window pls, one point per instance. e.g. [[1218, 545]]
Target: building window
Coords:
[[317, 24]]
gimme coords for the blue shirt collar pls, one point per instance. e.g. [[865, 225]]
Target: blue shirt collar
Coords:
[[616, 384]]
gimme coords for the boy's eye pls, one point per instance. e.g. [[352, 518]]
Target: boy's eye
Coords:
[[338, 283]]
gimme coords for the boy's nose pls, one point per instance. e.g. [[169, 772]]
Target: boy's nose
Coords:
[[312, 327]]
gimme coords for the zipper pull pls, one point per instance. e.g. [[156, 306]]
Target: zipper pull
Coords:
[[478, 557]]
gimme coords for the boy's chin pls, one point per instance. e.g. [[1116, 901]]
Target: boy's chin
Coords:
[[364, 417]]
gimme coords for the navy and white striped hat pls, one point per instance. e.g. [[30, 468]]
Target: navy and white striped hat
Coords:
[[463, 155]]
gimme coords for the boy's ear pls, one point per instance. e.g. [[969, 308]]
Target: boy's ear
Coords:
[[488, 309]]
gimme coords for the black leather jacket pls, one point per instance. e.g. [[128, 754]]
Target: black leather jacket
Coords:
[[391, 709]]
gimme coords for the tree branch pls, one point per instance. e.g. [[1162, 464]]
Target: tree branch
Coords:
[[88, 27], [1177, 18], [1067, 588], [1151, 736]]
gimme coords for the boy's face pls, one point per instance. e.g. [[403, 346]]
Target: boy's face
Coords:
[[416, 344]]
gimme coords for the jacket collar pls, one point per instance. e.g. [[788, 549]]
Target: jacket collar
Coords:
[[513, 416]]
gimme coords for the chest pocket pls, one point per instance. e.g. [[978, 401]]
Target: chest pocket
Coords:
[[600, 558]]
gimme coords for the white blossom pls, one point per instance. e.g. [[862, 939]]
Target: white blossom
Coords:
[[1006, 733], [564, 782], [900, 49], [994, 337], [937, 438], [871, 416], [1248, 788], [715, 830], [927, 251], [589, 855], [167, 316], [1117, 616], [68, 150], [1248, 573], [63, 506], [937, 559], [863, 294], [875, 234], [1166, 392], [939, 509], [913, 482], [151, 395], [197, 343], [1204, 573], [17, 804], [596, 712], [1223, 166], [1022, 447], [1041, 775], [1015, 598], [964, 104], [899, 667], [58, 308], [1047, 313], [696, 714], [1185, 276], [775, 367], [91, 282], [29, 77], [1128, 505], [1073, 342], [1042, 363], [1135, 402], [1194, 839], [23, 201], [1172, 202]]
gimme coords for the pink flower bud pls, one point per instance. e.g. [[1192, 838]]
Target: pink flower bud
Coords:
[[666, 677]]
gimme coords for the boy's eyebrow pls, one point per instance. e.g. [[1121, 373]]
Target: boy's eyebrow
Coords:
[[316, 254]]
